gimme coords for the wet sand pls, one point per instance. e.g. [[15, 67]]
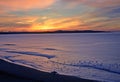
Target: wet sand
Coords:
[[10, 72]]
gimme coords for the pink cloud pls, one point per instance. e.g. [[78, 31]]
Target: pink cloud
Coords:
[[25, 4]]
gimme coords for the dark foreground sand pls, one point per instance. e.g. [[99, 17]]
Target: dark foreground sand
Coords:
[[5, 77], [10, 72]]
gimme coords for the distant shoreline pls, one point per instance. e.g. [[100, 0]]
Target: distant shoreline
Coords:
[[59, 31]]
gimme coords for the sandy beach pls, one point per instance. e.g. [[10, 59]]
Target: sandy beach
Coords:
[[12, 72], [5, 77]]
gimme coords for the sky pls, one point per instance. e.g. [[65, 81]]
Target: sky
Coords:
[[52, 15]]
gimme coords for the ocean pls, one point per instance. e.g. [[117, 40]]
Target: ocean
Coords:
[[93, 56]]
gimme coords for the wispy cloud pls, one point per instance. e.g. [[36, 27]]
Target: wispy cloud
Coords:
[[15, 23], [25, 4], [44, 15], [105, 16], [68, 23], [95, 3]]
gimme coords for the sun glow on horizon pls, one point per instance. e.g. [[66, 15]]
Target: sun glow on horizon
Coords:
[[52, 15], [42, 28]]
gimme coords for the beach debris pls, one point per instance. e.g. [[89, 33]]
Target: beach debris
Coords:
[[54, 72]]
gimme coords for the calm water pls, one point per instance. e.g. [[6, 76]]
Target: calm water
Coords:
[[87, 55]]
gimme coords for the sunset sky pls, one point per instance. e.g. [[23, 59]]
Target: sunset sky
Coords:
[[51, 15]]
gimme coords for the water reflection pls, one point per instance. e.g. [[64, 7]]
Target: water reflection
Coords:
[[83, 55]]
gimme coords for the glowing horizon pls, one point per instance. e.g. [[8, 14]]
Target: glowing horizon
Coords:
[[52, 15]]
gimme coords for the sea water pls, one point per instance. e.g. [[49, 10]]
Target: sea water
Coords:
[[87, 55]]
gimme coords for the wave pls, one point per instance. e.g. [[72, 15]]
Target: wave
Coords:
[[27, 72], [28, 52], [32, 53], [9, 44], [99, 66], [50, 49], [3, 49]]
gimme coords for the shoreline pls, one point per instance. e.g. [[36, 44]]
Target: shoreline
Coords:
[[26, 74], [57, 32]]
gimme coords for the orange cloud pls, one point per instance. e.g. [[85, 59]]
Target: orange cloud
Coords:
[[25, 4], [17, 19], [15, 29], [15, 23], [72, 23], [100, 23]]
